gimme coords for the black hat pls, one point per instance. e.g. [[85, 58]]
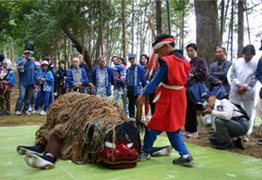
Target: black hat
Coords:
[[2, 57], [261, 46], [29, 47]]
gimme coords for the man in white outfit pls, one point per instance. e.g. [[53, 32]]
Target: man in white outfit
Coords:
[[243, 81]]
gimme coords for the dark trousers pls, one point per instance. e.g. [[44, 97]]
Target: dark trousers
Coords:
[[225, 129], [131, 103], [191, 116], [5, 100], [151, 97], [61, 90]]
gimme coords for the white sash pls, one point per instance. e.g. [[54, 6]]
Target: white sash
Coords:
[[167, 87]]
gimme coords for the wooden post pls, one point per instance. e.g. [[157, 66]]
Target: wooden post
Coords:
[[151, 26], [139, 106]]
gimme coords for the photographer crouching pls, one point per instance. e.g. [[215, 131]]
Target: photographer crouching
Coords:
[[231, 121]]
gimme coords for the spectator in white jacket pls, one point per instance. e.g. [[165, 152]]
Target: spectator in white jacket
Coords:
[[243, 81]]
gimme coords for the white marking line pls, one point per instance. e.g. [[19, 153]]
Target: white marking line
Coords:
[[231, 175], [68, 173]]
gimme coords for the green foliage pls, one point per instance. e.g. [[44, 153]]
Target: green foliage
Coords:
[[176, 8], [44, 23]]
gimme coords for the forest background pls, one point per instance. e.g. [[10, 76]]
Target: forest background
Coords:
[[63, 28]]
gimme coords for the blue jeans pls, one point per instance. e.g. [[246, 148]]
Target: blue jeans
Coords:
[[42, 98], [117, 97], [25, 95], [175, 139]]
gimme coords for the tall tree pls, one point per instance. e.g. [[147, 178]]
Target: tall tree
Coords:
[[101, 27], [207, 28], [158, 17], [240, 29], [133, 23], [123, 29], [182, 23]]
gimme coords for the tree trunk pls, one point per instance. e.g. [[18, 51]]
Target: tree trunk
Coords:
[[182, 23], [78, 46], [101, 27], [65, 44], [248, 29], [158, 17], [223, 19], [83, 39], [123, 30], [207, 28], [232, 29], [240, 29], [133, 21], [97, 53], [12, 50], [57, 51]]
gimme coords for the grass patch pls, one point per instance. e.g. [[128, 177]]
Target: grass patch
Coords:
[[23, 120]]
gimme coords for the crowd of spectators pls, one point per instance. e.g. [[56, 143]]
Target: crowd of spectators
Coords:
[[230, 97], [234, 81]]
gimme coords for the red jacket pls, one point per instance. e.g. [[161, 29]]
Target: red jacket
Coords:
[[170, 109]]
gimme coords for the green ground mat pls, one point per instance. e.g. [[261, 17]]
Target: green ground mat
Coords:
[[210, 164]]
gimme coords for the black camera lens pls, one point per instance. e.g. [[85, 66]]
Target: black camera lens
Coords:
[[201, 105]]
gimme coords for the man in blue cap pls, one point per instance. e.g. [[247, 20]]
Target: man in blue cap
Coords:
[[135, 79]]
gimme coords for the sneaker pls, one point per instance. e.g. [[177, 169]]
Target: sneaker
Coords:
[[213, 139], [246, 138], [22, 150], [27, 113], [144, 156], [192, 135], [259, 141], [7, 113], [34, 112], [42, 113], [184, 133], [161, 151], [132, 119], [121, 91], [18, 113], [37, 161], [239, 143], [188, 162], [30, 108], [2, 113]]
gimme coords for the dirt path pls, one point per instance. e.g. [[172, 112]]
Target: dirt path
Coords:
[[253, 149]]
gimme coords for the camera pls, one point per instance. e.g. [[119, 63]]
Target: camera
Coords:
[[201, 105], [26, 52]]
